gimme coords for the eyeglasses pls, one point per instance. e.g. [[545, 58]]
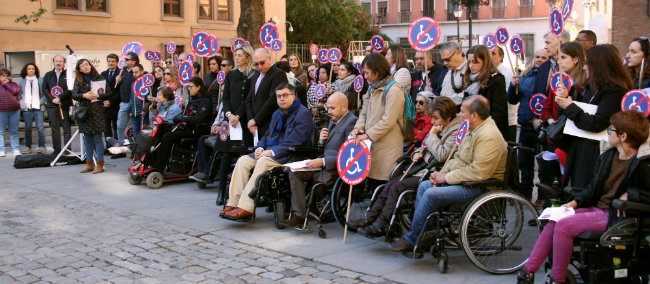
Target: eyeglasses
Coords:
[[259, 63], [224, 65], [283, 96], [610, 130], [421, 102], [129, 59], [167, 73], [168, 62], [191, 86]]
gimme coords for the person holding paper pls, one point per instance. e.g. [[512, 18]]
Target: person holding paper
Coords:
[[622, 167], [330, 140], [290, 126], [93, 126], [607, 81]]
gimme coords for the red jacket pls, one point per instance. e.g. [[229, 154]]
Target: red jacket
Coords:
[[9, 97], [422, 126]]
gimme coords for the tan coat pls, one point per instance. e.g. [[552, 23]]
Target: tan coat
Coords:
[[381, 125], [481, 156]]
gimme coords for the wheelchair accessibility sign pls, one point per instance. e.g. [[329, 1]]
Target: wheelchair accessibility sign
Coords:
[[133, 46], [490, 41], [56, 91], [561, 78], [353, 162], [322, 56], [502, 35], [148, 79], [536, 103], [424, 34], [268, 33], [636, 100], [201, 43], [320, 91], [377, 43], [462, 132], [185, 72], [516, 45], [171, 47], [358, 83], [221, 76], [556, 22]]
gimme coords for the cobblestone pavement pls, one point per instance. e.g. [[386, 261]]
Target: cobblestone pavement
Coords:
[[46, 237]]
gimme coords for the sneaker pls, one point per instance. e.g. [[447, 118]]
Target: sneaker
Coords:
[[200, 177], [27, 150], [294, 222], [16, 153], [525, 277], [41, 150], [2, 154]]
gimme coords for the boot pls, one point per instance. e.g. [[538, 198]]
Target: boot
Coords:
[[99, 168], [220, 197], [90, 166]]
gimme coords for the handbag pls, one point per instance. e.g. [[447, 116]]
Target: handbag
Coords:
[[211, 140], [80, 111], [555, 131]]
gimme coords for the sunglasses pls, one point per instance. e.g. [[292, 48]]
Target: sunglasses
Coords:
[[167, 73], [259, 63], [129, 59], [421, 102], [168, 62], [610, 130], [224, 65]]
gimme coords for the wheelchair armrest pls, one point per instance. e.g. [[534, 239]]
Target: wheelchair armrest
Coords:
[[483, 183], [403, 158], [435, 164], [304, 150], [631, 207], [553, 192], [417, 143], [573, 190]]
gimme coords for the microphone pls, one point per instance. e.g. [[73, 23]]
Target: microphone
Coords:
[[68, 47]]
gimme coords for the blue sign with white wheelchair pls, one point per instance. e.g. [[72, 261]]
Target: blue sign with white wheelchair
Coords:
[[185, 72], [353, 162], [636, 100]]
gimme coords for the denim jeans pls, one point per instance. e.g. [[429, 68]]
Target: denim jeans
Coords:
[[10, 119], [430, 199], [93, 143], [122, 120], [34, 115]]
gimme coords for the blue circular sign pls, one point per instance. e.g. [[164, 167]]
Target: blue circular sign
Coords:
[[121, 64], [353, 162], [556, 22], [561, 78], [377, 43], [567, 6], [56, 91], [502, 35], [149, 55], [201, 43], [276, 45], [157, 56], [175, 59], [128, 132], [221, 76], [322, 56], [636, 100], [177, 99], [334, 55], [185, 72], [171, 47], [516, 45], [268, 33], [358, 83], [320, 91], [140, 89], [424, 34], [357, 66], [189, 57], [536, 103], [236, 43], [214, 45], [462, 132], [148, 79], [133, 46], [490, 41]]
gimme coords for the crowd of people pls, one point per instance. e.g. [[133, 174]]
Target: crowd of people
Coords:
[[276, 106]]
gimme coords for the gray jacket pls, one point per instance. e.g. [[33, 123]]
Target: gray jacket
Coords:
[[21, 96]]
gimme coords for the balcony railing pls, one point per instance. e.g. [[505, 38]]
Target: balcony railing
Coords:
[[451, 16], [428, 13], [498, 13], [381, 19], [525, 11], [405, 16]]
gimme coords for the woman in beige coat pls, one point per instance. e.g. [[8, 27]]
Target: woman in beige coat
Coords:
[[380, 119]]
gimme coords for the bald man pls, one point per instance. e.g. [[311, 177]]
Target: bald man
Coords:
[[261, 102], [330, 140]]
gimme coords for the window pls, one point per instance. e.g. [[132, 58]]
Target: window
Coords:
[[475, 12], [382, 10], [428, 8], [172, 8], [366, 6], [205, 9], [526, 8], [529, 46], [451, 7], [405, 11], [403, 40], [498, 9], [96, 5], [223, 10], [67, 4]]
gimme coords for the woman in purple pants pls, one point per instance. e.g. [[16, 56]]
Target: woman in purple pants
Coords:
[[623, 166]]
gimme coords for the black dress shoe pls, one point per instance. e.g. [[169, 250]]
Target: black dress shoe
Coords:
[[373, 230], [402, 245], [294, 222], [359, 223]]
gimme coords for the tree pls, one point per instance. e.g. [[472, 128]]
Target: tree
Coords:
[[34, 17], [250, 20], [470, 5], [330, 22]]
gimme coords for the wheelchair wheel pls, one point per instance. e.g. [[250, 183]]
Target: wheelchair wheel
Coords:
[[358, 207], [494, 234], [155, 180], [134, 180], [405, 211], [278, 213], [399, 169]]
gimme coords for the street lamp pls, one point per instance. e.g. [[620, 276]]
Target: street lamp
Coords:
[[458, 13], [290, 26]]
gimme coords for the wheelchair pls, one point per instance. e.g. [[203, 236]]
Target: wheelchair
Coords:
[[621, 254], [181, 163], [490, 228]]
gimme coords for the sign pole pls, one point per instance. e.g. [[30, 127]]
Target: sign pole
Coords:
[[61, 111], [510, 61], [347, 216], [450, 154], [641, 72], [407, 170]]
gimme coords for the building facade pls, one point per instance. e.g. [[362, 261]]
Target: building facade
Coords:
[[103, 26]]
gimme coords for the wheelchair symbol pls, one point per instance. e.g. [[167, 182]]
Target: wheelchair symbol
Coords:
[[633, 104], [202, 46], [356, 164], [421, 37]]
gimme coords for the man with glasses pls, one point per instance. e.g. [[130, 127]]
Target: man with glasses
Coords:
[[123, 81], [111, 106], [261, 102], [169, 62], [544, 72], [226, 65], [452, 83], [587, 38], [58, 108], [422, 80], [292, 126]]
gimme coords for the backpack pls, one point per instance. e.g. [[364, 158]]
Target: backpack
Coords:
[[408, 127]]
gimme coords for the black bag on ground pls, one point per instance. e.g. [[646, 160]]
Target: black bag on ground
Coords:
[[43, 160]]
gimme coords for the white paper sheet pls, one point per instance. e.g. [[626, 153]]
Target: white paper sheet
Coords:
[[301, 166], [556, 213], [571, 129], [96, 85], [255, 139], [236, 132]]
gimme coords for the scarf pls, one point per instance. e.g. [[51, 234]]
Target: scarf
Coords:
[[280, 118], [342, 84], [373, 86], [32, 93], [473, 88]]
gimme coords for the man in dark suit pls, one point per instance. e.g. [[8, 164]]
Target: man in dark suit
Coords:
[[330, 140], [261, 102], [111, 106], [58, 109]]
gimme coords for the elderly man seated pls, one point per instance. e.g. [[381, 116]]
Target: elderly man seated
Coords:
[[291, 125], [330, 140], [481, 156]]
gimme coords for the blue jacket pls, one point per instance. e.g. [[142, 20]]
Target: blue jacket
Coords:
[[541, 85], [526, 88], [297, 131]]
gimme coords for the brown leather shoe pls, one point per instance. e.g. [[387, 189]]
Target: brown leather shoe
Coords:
[[238, 214], [90, 166], [402, 245], [99, 168], [226, 210]]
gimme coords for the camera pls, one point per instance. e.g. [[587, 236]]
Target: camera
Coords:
[[541, 136]]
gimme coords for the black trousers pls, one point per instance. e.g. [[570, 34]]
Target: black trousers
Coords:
[[164, 151], [56, 123], [527, 137], [110, 118], [382, 209]]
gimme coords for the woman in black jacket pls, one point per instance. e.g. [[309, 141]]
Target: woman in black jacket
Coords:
[[194, 122], [483, 78], [210, 80], [93, 125], [608, 81]]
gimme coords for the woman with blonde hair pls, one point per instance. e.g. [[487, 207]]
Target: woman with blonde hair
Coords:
[[298, 71]]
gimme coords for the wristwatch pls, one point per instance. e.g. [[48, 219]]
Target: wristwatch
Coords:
[[228, 114]]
